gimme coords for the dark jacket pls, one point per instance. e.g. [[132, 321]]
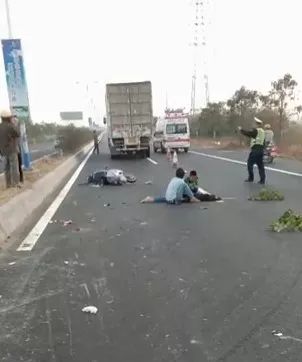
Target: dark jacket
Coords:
[[9, 138]]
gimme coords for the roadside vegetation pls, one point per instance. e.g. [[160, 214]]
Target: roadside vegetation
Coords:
[[219, 120], [71, 138]]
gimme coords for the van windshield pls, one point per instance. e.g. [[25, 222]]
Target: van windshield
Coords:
[[180, 128]]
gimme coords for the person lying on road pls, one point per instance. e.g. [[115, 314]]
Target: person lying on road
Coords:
[[199, 193], [177, 191]]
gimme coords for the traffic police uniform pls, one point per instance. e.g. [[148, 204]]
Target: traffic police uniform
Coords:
[[257, 136]]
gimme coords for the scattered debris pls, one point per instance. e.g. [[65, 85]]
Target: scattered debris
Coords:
[[277, 333], [106, 205], [143, 223], [78, 229], [111, 265], [153, 272], [149, 182], [90, 309], [12, 263], [67, 222], [92, 220], [194, 341], [280, 335], [118, 235], [66, 262], [289, 221], [267, 195]]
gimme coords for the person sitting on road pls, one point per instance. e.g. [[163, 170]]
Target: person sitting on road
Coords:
[[269, 135], [199, 193], [177, 191], [192, 181]]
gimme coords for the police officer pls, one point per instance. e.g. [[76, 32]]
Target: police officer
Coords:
[[257, 136]]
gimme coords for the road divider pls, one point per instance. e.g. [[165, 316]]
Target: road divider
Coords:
[[290, 173]]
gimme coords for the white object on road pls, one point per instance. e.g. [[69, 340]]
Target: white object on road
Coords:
[[90, 309], [149, 182], [12, 263]]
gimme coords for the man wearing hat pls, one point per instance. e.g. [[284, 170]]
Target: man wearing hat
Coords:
[[257, 136], [9, 137], [269, 135]]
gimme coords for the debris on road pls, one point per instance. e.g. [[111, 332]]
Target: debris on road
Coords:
[[289, 221], [281, 336], [194, 341], [66, 262], [90, 309], [267, 195], [143, 223], [111, 265], [67, 222], [149, 182], [12, 263], [277, 333], [107, 205]]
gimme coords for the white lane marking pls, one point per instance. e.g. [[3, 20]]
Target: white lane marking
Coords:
[[30, 241], [152, 161], [244, 163]]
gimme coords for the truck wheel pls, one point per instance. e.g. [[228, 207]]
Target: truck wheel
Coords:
[[186, 150]]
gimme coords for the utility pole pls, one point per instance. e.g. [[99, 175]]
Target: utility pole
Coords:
[[8, 19], [200, 79]]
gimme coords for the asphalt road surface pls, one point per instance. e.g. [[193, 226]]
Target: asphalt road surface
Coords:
[[36, 151], [189, 283]]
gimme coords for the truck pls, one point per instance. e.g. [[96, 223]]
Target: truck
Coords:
[[129, 118]]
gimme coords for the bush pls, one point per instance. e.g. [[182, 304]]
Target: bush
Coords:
[[73, 138]]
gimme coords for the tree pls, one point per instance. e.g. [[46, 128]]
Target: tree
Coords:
[[282, 92], [243, 106]]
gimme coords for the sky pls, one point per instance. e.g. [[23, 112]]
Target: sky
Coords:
[[69, 44]]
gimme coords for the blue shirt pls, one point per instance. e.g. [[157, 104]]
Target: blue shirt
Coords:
[[177, 189]]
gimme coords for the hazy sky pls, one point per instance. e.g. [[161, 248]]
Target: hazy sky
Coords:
[[250, 42]]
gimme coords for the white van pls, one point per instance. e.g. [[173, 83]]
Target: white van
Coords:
[[176, 131]]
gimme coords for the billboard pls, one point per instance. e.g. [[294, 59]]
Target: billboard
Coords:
[[15, 78], [71, 116]]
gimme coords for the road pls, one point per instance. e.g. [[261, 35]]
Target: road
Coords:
[[189, 283], [36, 151]]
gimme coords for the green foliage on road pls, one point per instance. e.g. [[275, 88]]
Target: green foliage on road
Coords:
[[289, 221], [267, 195]]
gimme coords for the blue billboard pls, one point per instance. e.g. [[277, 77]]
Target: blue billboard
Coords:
[[15, 78]]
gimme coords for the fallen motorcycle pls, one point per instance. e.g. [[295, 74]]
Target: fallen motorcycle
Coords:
[[110, 177]]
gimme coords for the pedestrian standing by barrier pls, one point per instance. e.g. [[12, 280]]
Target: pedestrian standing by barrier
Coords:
[[9, 135], [96, 142], [257, 136]]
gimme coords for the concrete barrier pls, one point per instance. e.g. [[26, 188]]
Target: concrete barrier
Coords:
[[19, 209]]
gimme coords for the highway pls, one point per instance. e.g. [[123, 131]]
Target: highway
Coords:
[[189, 283], [37, 151]]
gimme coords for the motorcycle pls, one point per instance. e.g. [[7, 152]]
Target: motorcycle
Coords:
[[270, 153]]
